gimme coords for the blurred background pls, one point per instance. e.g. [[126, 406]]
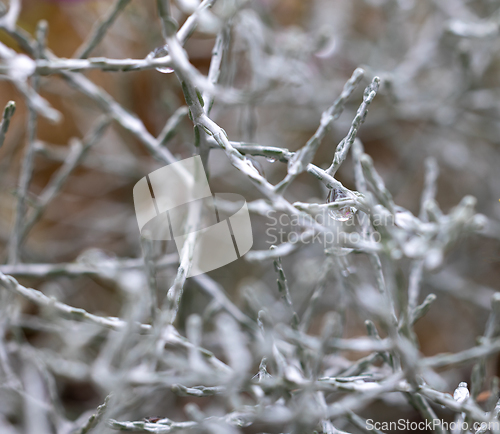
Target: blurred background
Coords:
[[439, 62]]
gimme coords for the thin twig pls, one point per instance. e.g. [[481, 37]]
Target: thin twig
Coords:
[[305, 155], [75, 156], [100, 28], [28, 161], [77, 314]]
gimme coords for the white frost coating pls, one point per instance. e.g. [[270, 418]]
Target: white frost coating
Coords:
[[461, 392]]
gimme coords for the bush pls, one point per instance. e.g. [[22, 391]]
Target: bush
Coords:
[[359, 306]]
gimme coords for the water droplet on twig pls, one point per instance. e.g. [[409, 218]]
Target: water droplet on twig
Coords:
[[252, 162], [340, 214], [158, 53]]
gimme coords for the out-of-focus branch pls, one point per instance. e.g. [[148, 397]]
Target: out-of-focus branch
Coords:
[[27, 166], [104, 269], [75, 156], [9, 20], [77, 314], [100, 28]]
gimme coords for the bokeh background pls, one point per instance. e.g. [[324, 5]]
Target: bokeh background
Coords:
[[439, 98]]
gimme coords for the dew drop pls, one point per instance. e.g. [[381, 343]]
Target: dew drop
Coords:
[[255, 165], [348, 270], [271, 159], [158, 53], [165, 70], [340, 214]]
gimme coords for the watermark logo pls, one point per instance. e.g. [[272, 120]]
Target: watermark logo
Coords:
[[339, 236], [431, 425], [175, 202]]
